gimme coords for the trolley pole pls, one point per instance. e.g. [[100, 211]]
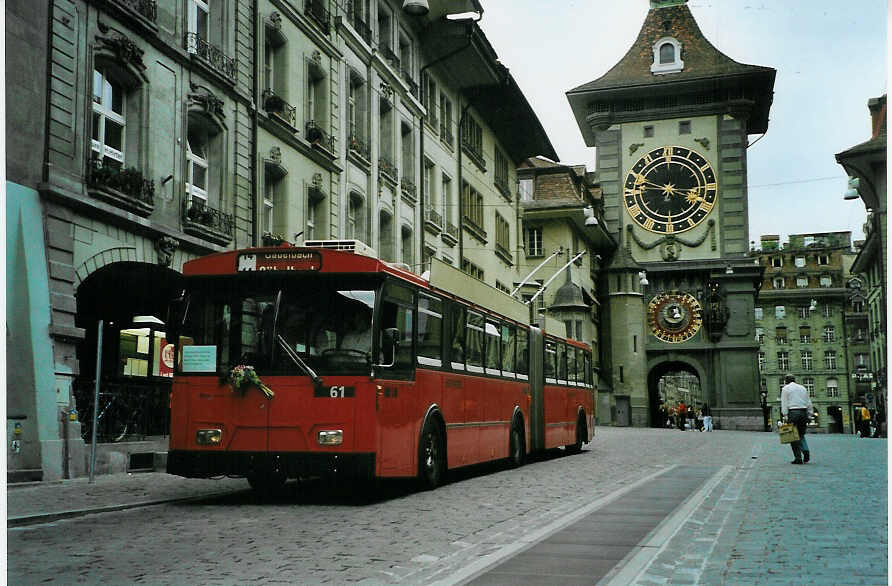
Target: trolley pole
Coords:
[[96, 400]]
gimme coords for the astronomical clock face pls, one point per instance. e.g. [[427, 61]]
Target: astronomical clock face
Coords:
[[674, 317], [670, 189]]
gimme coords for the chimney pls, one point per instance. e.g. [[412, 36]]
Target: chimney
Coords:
[[877, 107]]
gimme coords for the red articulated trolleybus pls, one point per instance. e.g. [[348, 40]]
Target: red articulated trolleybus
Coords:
[[295, 362]]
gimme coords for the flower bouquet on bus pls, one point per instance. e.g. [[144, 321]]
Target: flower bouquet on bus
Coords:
[[242, 377]]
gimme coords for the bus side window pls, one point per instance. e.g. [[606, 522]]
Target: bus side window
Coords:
[[430, 328], [493, 347], [571, 364], [523, 354], [562, 362], [507, 348], [457, 323], [399, 317], [550, 361], [474, 338], [581, 377]]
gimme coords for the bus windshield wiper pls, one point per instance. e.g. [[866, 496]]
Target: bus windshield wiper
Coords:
[[299, 361]]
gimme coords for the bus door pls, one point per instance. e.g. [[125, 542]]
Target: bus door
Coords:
[[396, 395], [247, 410]]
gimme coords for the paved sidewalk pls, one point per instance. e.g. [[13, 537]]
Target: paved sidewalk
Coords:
[[35, 502]]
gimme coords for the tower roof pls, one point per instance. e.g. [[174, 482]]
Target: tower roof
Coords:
[[705, 67]]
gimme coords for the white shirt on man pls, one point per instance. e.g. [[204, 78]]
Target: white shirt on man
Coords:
[[794, 396]]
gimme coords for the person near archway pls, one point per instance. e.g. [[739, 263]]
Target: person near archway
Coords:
[[707, 417], [682, 414]]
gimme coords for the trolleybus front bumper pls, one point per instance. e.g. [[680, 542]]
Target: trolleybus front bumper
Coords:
[[206, 464]]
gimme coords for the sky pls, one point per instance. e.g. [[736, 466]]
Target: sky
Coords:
[[830, 57]]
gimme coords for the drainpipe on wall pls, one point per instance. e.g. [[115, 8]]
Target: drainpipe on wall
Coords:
[[255, 161]]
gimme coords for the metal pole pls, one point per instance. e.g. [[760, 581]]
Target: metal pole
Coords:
[[534, 271], [96, 400], [554, 276]]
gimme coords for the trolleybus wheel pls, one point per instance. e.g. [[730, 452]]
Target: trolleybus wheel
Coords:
[[431, 457], [575, 448], [516, 446]]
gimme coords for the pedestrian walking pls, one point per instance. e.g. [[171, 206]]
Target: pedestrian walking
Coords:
[[682, 414], [864, 423], [707, 417], [796, 407]]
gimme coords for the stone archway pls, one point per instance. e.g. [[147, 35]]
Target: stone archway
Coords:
[[132, 378], [660, 368]]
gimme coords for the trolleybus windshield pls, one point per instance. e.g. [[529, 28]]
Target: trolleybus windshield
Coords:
[[326, 320]]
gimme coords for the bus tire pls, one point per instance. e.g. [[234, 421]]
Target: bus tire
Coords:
[[431, 456], [516, 445], [575, 448]]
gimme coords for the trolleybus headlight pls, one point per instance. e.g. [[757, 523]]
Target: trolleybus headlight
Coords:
[[330, 437], [208, 437]]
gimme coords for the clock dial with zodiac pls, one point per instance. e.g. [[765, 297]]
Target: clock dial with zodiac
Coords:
[[674, 317], [670, 189]]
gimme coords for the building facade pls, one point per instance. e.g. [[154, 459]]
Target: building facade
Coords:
[[670, 122], [866, 162], [809, 323], [175, 129]]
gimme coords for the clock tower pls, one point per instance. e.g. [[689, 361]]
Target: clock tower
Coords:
[[671, 122]]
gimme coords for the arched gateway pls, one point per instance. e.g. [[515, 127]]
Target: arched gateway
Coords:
[[671, 381]]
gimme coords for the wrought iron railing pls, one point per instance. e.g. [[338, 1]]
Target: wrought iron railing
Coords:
[[360, 147], [408, 187], [433, 217], [129, 182], [279, 108], [446, 135], [413, 85], [145, 8], [214, 56], [362, 28], [502, 186], [317, 12], [387, 167], [451, 231], [316, 135], [128, 410], [474, 153], [389, 56], [198, 212]]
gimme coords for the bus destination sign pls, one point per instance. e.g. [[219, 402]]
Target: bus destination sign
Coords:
[[285, 260]]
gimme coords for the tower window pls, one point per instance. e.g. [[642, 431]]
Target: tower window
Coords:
[[684, 127], [648, 131], [667, 56]]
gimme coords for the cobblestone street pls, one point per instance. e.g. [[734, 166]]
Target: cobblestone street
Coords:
[[755, 520]]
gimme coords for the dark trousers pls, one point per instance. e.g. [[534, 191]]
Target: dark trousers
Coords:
[[799, 418]]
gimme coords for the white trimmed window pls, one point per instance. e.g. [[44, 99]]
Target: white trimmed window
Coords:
[[802, 282], [832, 388], [783, 360], [534, 241], [196, 164], [799, 261], [758, 313], [667, 57], [197, 17], [809, 384], [108, 120], [830, 359], [269, 196], [807, 362]]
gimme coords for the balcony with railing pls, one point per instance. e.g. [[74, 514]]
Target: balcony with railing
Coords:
[[318, 137], [450, 233], [433, 221], [502, 185], [358, 147], [408, 189], [199, 219], [413, 85], [362, 28], [211, 55], [388, 55], [388, 169], [504, 254], [147, 9], [317, 12], [474, 153], [279, 109], [125, 188]]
